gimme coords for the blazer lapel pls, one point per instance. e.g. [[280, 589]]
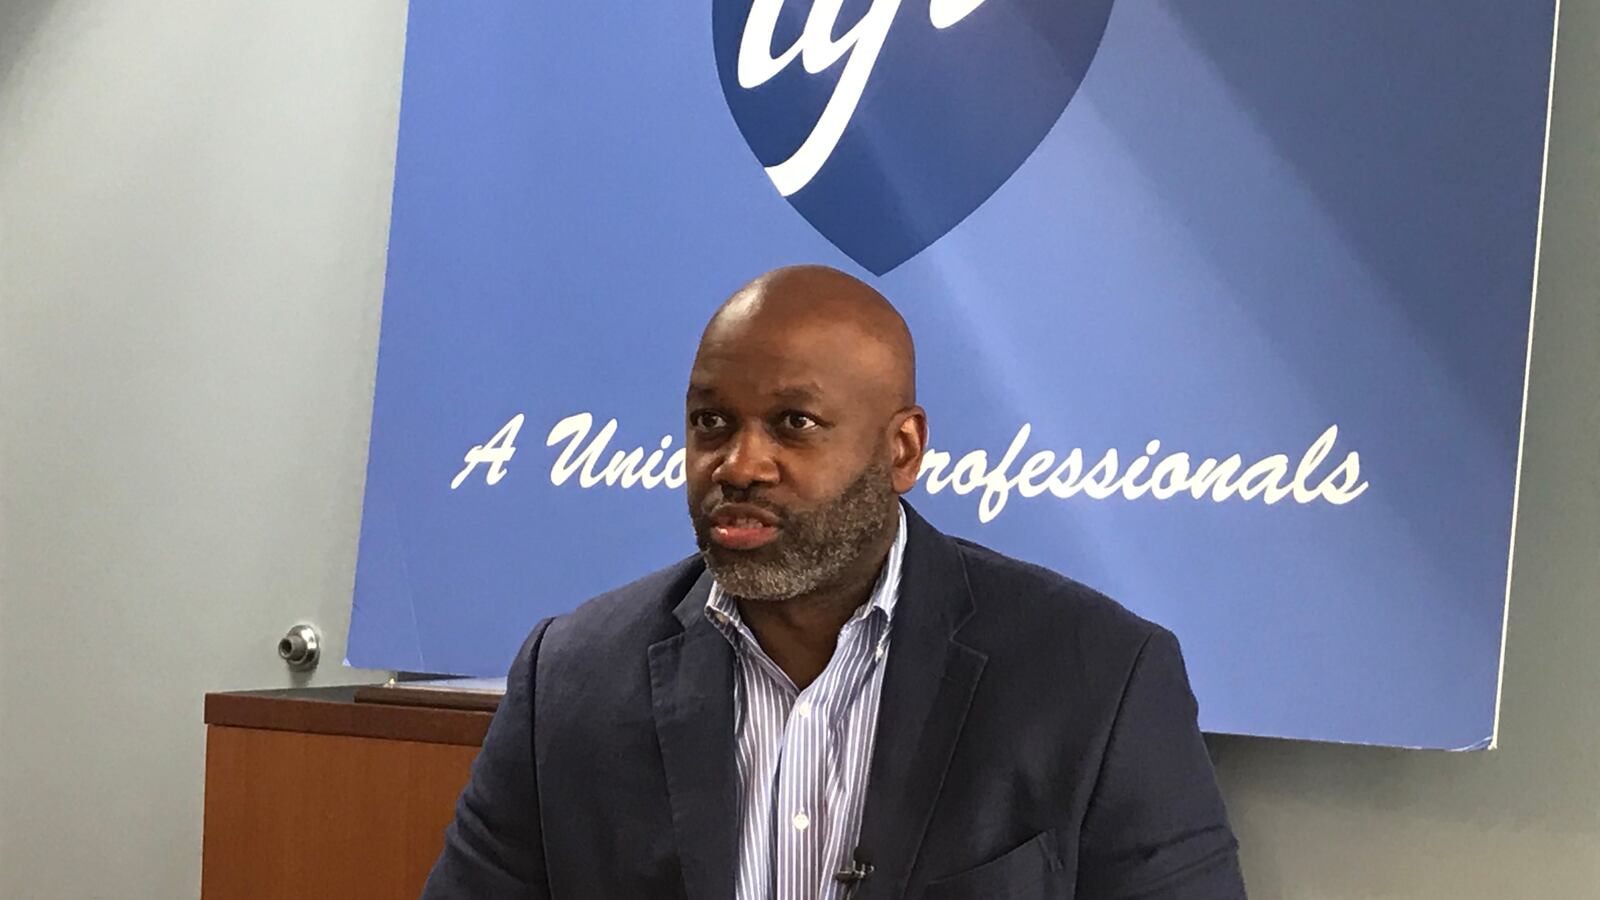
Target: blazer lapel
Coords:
[[927, 688], [691, 691]]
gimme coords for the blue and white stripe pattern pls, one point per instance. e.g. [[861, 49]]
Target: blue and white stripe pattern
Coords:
[[804, 755]]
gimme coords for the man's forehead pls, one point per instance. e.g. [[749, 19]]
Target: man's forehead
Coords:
[[824, 343], [774, 389], [751, 371], [798, 344]]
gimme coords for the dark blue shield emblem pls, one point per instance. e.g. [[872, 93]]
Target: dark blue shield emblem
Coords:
[[887, 122]]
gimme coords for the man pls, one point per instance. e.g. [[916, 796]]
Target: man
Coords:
[[833, 699]]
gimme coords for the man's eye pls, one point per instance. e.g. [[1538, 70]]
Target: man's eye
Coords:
[[706, 421], [798, 421]]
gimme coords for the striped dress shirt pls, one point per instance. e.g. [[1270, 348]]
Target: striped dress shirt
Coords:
[[804, 754]]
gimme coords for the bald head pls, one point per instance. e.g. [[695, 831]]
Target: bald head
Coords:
[[845, 320]]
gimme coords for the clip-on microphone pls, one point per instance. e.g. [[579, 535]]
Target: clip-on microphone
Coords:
[[857, 871]]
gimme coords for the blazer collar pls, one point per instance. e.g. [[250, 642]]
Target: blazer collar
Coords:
[[927, 687], [691, 694]]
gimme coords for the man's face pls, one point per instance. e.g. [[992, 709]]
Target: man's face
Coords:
[[789, 475]]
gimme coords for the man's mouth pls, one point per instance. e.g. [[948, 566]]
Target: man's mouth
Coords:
[[741, 527]]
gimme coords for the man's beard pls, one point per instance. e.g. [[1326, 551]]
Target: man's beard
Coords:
[[813, 549]]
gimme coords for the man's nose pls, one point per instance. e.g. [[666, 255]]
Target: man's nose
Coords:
[[749, 460]]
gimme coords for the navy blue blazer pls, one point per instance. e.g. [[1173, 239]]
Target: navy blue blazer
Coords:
[[1035, 740]]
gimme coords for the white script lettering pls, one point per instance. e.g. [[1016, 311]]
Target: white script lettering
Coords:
[[818, 51], [587, 455], [1267, 478], [944, 13], [496, 453], [626, 467]]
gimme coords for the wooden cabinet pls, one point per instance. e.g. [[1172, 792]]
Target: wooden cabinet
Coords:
[[325, 792]]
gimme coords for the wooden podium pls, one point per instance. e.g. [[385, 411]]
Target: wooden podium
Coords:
[[333, 792]]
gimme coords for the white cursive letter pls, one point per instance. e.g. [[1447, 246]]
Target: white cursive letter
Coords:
[[818, 51]]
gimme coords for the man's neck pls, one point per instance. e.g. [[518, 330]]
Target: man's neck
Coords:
[[800, 634]]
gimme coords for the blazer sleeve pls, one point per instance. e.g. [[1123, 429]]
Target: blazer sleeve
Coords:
[[1155, 828], [494, 848]]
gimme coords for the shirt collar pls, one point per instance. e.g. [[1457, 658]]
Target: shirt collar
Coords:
[[724, 612]]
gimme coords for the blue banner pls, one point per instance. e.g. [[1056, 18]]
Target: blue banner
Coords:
[[1222, 308]]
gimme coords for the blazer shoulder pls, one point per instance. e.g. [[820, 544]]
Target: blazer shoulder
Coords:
[[639, 612], [1015, 595]]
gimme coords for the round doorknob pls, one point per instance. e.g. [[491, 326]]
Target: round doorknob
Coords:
[[301, 647]]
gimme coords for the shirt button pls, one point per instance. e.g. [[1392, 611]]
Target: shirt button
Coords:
[[801, 820], [878, 653], [803, 709]]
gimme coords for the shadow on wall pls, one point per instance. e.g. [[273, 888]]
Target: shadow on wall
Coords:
[[20, 20]]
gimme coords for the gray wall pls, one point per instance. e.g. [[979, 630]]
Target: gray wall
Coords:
[[193, 206]]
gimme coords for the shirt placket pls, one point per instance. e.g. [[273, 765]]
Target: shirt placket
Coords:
[[802, 811], [839, 851]]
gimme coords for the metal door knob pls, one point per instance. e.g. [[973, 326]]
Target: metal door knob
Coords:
[[301, 647]]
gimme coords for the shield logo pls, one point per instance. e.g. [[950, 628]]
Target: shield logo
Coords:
[[885, 123]]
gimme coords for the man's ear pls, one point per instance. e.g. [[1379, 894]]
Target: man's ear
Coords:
[[908, 440]]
